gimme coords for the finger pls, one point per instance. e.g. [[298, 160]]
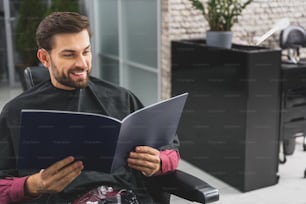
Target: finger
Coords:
[[144, 157], [147, 149], [66, 171], [59, 180], [145, 164], [54, 168], [62, 183]]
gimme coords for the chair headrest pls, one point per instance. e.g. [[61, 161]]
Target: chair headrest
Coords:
[[293, 37], [35, 75]]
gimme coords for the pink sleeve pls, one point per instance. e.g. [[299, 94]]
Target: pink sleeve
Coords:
[[169, 159], [11, 190]]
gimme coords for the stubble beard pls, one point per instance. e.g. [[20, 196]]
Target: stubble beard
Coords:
[[66, 80]]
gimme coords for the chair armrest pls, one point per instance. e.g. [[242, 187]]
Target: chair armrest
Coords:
[[188, 187]]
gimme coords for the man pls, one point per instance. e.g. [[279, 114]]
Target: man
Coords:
[[63, 40]]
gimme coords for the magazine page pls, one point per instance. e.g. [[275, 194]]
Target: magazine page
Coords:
[[49, 136], [154, 126]]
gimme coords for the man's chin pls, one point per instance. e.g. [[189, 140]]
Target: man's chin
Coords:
[[81, 84], [76, 84]]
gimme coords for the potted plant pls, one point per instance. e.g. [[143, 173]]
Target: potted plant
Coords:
[[64, 5], [221, 15], [30, 13]]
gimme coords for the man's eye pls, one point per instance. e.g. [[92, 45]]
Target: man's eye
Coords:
[[68, 55], [86, 52]]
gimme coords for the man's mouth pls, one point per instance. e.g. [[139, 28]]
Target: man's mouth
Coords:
[[79, 74]]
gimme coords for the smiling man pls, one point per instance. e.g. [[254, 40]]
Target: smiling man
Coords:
[[64, 48], [69, 62]]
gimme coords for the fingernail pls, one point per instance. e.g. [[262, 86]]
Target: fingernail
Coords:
[[71, 158]]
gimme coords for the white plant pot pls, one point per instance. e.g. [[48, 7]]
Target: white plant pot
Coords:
[[219, 39]]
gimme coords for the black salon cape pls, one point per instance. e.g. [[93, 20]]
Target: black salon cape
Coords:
[[98, 97]]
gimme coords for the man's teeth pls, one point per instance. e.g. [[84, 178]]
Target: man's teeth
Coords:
[[79, 73]]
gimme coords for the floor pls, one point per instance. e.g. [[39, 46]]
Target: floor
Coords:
[[290, 189], [7, 92]]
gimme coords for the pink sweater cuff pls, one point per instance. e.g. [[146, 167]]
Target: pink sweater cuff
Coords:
[[16, 192], [169, 160]]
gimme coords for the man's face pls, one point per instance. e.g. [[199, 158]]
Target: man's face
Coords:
[[69, 60]]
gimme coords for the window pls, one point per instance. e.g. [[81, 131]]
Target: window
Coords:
[[126, 35]]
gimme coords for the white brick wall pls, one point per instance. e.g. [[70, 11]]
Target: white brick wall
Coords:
[[181, 21]]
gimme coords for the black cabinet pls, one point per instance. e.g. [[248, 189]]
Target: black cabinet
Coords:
[[230, 125]]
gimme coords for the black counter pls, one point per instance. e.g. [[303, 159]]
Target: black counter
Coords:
[[230, 125]]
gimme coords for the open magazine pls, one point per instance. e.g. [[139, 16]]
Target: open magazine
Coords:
[[100, 141]]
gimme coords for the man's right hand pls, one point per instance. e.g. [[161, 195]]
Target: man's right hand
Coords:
[[53, 179]]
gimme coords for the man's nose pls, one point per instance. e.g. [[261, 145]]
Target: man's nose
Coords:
[[81, 62]]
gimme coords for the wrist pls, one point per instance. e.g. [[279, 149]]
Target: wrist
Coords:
[[30, 189]]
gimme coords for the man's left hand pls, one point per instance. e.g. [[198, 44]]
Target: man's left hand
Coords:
[[145, 159]]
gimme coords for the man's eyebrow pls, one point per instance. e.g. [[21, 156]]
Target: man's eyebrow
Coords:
[[68, 50]]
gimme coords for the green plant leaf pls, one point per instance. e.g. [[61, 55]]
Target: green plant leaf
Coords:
[[221, 15]]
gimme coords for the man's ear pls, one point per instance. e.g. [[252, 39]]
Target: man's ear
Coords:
[[43, 57]]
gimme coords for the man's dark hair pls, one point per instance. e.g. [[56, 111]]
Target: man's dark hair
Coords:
[[58, 23]]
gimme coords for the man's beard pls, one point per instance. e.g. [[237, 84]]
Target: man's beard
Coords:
[[66, 79]]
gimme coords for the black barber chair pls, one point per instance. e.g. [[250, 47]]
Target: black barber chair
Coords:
[[292, 39], [293, 115], [177, 183]]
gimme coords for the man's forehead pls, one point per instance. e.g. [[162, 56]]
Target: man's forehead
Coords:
[[71, 41]]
